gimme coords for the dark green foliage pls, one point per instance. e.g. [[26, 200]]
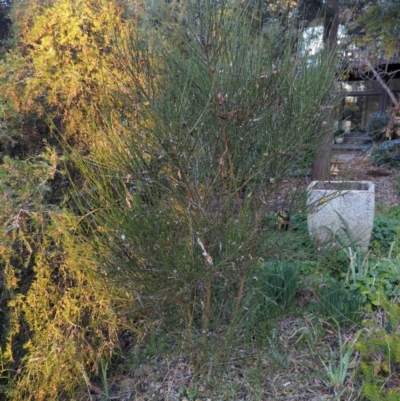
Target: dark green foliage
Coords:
[[387, 152], [334, 262], [394, 212], [297, 241], [338, 304], [298, 223], [5, 24], [376, 125], [271, 290], [385, 231], [378, 28], [276, 283], [310, 9]]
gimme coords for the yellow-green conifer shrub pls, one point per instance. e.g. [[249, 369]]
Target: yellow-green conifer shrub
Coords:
[[62, 61], [62, 318], [380, 352]]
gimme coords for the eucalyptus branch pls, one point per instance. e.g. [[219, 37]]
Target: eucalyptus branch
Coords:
[[382, 82]]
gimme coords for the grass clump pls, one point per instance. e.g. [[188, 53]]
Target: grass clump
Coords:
[[271, 290], [339, 305], [277, 281]]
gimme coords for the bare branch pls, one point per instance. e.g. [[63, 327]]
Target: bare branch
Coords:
[[382, 83]]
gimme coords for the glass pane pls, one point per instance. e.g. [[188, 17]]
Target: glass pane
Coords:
[[394, 84], [359, 86], [358, 109]]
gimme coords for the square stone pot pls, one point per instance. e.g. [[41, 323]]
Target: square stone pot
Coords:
[[330, 202]]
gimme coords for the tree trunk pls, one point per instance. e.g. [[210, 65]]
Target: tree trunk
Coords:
[[322, 156]]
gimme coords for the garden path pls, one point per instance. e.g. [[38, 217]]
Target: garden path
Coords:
[[350, 165]]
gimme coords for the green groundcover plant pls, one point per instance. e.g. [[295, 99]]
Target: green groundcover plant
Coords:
[[380, 351], [271, 290], [385, 232]]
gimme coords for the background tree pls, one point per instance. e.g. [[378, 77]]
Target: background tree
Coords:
[[328, 12], [378, 28]]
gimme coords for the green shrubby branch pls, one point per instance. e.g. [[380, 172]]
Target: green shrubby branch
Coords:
[[217, 114]]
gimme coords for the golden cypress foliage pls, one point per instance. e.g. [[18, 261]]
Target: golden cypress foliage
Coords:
[[62, 319], [63, 61]]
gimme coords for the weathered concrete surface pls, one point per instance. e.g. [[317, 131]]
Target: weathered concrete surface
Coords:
[[331, 201]]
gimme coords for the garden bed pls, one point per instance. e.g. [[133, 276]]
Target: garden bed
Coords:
[[352, 166]]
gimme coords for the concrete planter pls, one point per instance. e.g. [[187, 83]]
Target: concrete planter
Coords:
[[354, 201]]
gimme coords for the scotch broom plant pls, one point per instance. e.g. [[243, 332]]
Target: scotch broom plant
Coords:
[[209, 117]]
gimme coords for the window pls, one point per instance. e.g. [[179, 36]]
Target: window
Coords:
[[359, 86], [358, 109], [360, 99], [394, 85]]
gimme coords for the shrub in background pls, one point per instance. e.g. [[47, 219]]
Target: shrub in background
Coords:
[[377, 125], [387, 152]]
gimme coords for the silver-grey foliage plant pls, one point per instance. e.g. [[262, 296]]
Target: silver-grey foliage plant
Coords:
[[215, 111]]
